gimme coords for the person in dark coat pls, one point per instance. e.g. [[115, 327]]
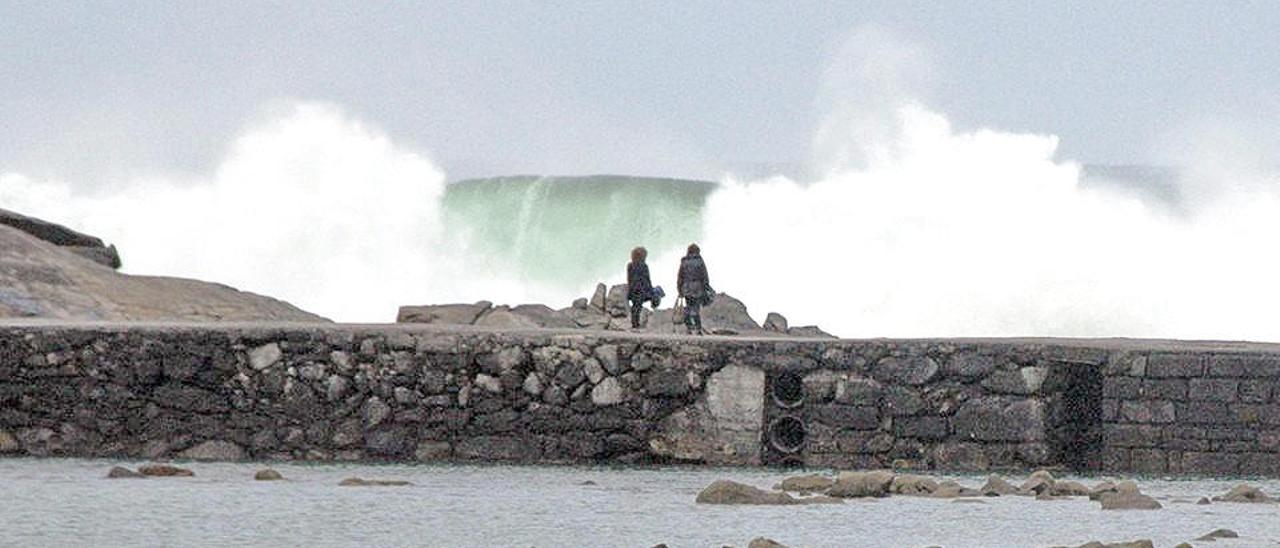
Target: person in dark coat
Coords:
[[639, 288], [695, 287]]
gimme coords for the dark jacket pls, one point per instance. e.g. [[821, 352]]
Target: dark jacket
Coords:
[[692, 280], [639, 288]]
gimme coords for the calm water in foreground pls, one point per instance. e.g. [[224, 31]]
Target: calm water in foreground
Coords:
[[57, 502]]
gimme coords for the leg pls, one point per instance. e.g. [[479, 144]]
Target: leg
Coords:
[[693, 316], [635, 313]]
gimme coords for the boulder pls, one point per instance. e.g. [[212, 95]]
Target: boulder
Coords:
[[726, 312], [875, 483], [1102, 489], [598, 298], [1129, 501], [267, 474], [910, 484], [812, 483], [120, 472], [1244, 493], [1217, 534], [443, 314], [214, 450], [997, 486], [1041, 481], [775, 322], [360, 482], [616, 301], [1069, 489], [164, 470], [1204, 501], [948, 489], [762, 542], [732, 492], [587, 318]]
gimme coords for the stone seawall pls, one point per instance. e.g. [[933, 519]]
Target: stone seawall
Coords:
[[422, 393]]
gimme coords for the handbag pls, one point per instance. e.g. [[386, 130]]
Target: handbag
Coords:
[[677, 312]]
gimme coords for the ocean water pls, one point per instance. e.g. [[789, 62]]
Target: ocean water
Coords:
[[62, 502]]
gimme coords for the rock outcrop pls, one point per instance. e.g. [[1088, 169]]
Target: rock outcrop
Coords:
[[51, 272], [606, 309], [89, 247]]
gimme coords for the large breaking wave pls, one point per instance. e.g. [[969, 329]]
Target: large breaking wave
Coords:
[[934, 232]]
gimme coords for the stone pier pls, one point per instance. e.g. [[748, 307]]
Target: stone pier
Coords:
[[328, 392]]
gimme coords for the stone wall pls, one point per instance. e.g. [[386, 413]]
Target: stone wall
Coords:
[[1194, 412], [406, 393]]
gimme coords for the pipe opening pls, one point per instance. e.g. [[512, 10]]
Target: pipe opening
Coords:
[[788, 390], [787, 434]]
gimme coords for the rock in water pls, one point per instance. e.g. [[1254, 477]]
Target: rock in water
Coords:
[[1041, 481], [1129, 501], [997, 486], [1244, 493], [812, 483], [165, 470], [1217, 534], [875, 483], [120, 472], [732, 492], [1068, 489], [909, 484], [762, 542], [360, 482], [267, 474]]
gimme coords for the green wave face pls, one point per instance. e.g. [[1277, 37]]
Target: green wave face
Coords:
[[572, 231]]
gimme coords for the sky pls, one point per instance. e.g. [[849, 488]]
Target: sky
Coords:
[[96, 93]]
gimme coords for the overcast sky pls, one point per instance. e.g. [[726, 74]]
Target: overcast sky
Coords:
[[95, 91]]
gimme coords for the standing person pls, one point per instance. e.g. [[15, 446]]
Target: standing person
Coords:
[[695, 287], [639, 288]]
